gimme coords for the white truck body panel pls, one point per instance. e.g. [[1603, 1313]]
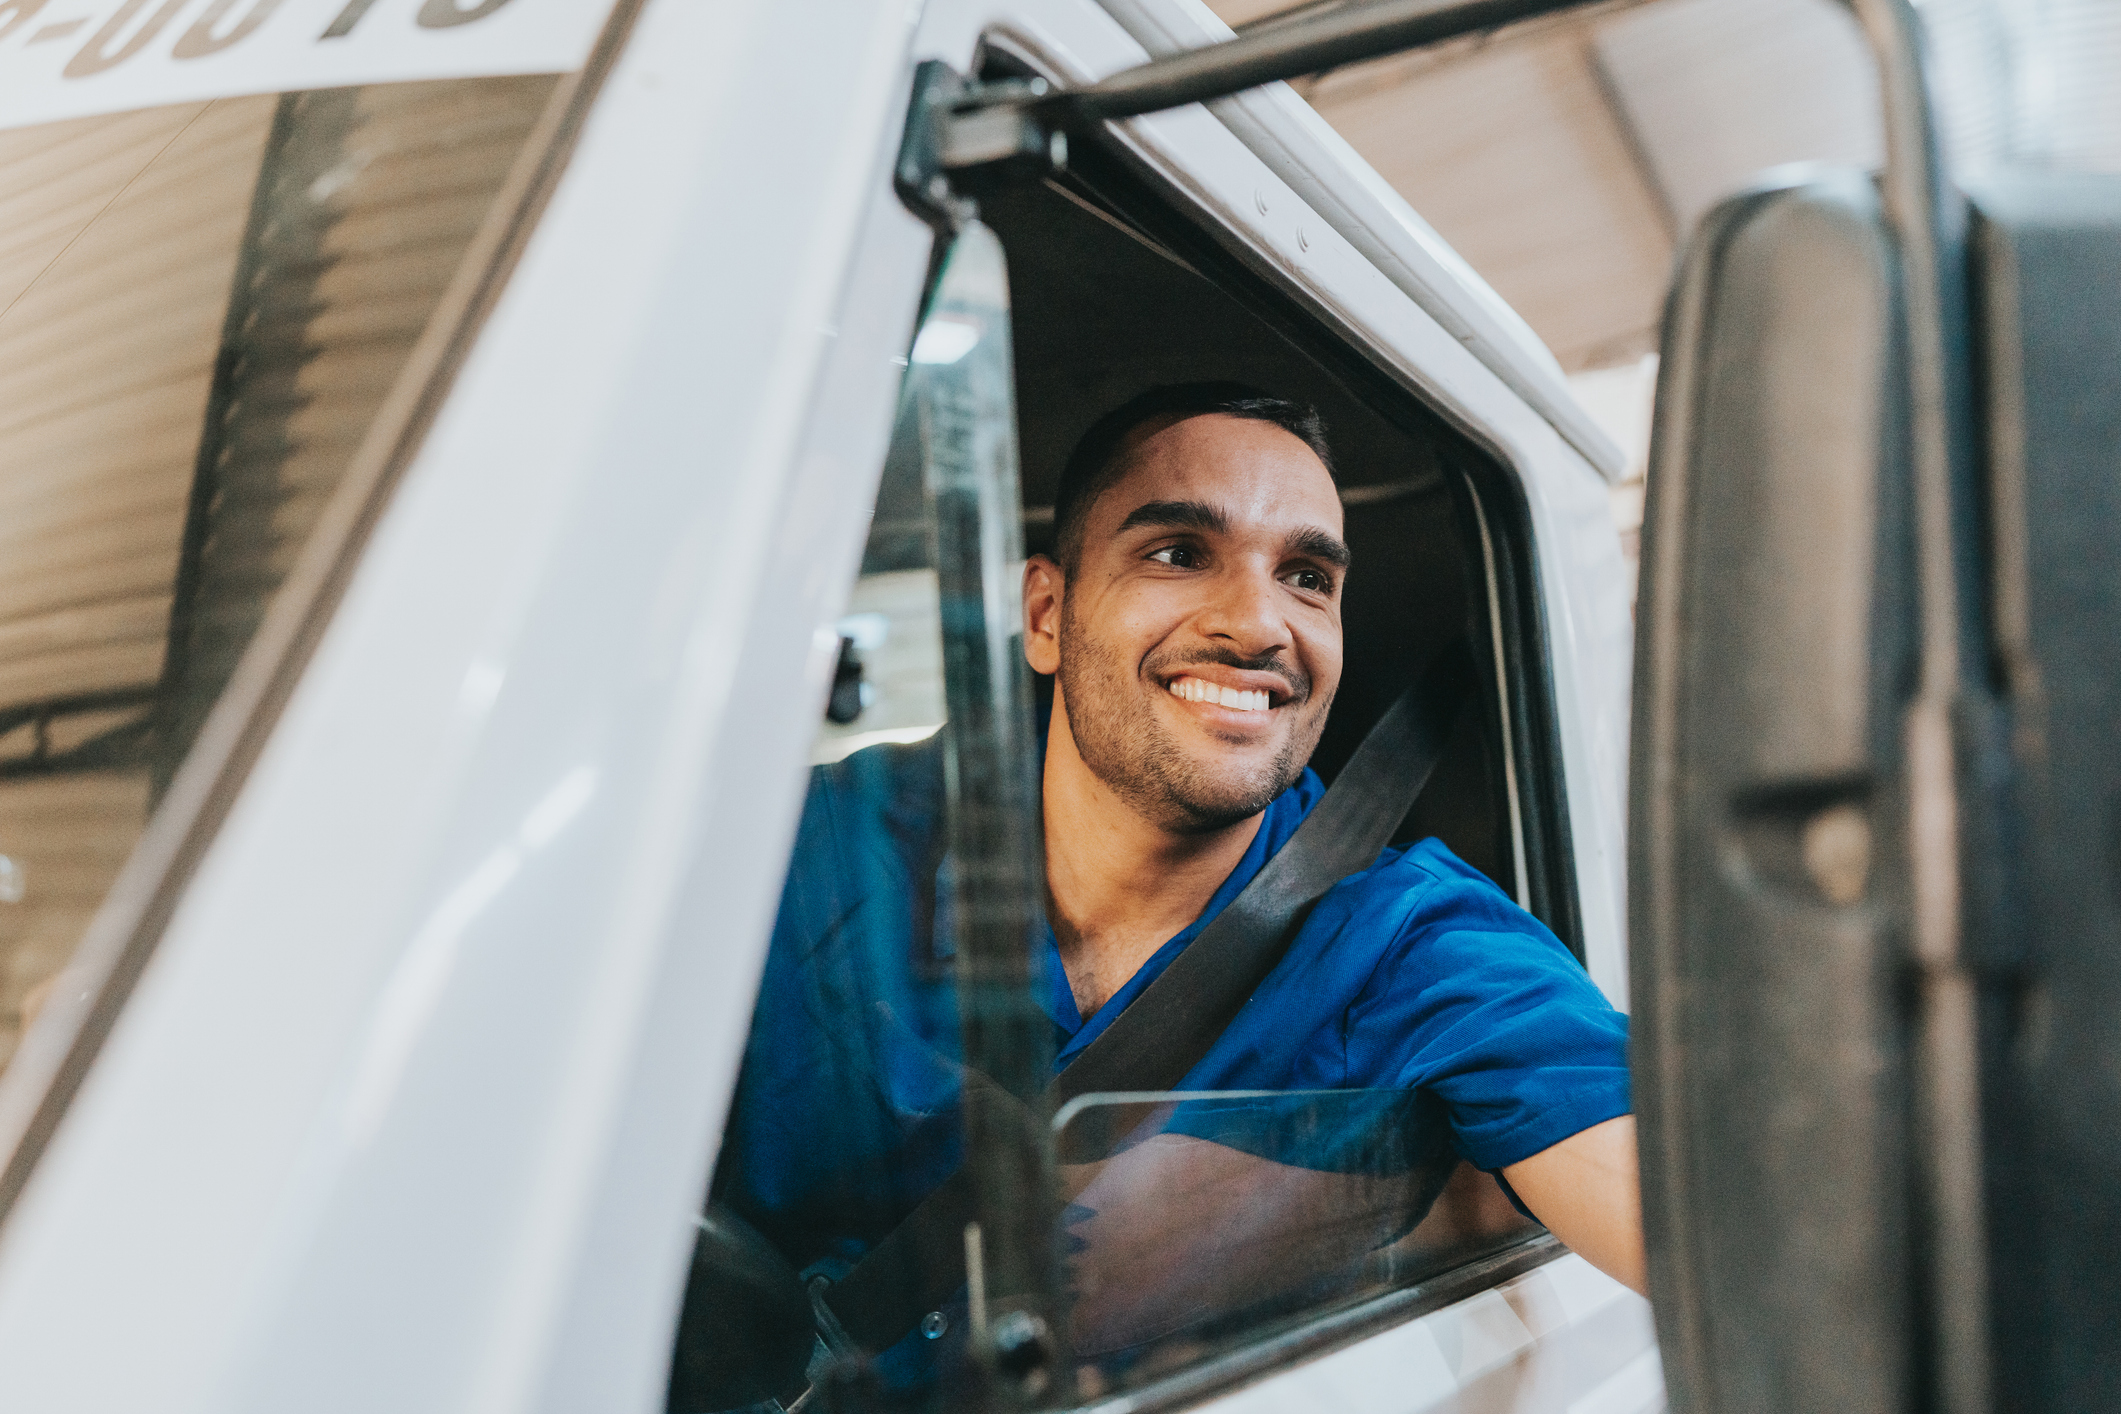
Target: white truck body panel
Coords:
[[416, 1098]]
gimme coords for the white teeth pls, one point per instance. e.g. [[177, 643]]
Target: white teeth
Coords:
[[1239, 699]]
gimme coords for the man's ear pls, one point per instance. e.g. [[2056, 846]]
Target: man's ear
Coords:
[[1044, 588]]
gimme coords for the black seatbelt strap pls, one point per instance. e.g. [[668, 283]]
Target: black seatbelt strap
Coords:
[[1177, 1018]]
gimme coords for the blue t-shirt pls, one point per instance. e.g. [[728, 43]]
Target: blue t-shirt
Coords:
[[1415, 976]]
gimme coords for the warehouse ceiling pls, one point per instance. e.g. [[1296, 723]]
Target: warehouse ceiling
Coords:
[[1565, 158]]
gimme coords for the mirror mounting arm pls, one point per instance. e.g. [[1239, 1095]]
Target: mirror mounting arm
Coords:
[[964, 137], [961, 135]]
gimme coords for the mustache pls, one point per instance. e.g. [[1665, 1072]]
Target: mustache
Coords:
[[1298, 680]]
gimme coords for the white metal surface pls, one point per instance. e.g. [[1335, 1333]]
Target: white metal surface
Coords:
[[1563, 1339], [438, 1042], [411, 1108]]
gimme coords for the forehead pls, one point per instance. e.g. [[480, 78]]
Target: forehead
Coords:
[[1257, 473]]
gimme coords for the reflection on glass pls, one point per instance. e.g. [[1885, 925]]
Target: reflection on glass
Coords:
[[1196, 1220], [892, 633], [202, 308], [900, 963]]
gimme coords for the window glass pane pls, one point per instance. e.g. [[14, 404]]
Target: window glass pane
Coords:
[[847, 1112], [889, 683], [885, 1151], [1198, 1221], [202, 308]]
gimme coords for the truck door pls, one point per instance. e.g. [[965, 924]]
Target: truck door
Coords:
[[1140, 1243]]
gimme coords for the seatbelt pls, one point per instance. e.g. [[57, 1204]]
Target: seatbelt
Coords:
[[1165, 1031]]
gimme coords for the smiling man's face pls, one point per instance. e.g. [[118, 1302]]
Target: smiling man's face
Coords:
[[1197, 639]]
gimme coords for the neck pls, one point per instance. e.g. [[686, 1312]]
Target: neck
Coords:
[[1119, 884]]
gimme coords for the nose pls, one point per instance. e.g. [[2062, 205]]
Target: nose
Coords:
[[1245, 613]]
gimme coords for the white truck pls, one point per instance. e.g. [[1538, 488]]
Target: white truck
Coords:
[[463, 466]]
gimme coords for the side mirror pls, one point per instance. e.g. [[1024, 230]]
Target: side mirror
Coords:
[[1774, 632], [1875, 840]]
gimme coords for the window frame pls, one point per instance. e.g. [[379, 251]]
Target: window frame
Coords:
[[1492, 504], [1327, 1331], [1489, 491]]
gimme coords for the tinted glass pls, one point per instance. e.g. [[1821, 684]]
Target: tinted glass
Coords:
[[1197, 1221], [202, 309], [899, 985]]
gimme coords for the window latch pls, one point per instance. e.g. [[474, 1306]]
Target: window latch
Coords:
[[962, 137]]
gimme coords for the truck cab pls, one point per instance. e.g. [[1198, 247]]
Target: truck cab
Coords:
[[470, 468]]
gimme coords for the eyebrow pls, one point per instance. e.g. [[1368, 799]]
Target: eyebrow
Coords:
[[1310, 541], [1177, 515], [1318, 545]]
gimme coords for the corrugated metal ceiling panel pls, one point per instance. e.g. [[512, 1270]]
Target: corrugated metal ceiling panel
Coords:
[[105, 358], [1513, 155], [1718, 89], [1560, 156]]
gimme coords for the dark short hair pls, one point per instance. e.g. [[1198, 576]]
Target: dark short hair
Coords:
[[1095, 464]]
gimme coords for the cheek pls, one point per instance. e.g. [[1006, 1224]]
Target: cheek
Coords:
[[1134, 620], [1322, 648]]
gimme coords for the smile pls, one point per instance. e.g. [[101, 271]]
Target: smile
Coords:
[[1238, 699]]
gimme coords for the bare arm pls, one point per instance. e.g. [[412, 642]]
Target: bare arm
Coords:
[[1587, 1190]]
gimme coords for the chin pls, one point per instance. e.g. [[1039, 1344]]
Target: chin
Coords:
[[1207, 802]]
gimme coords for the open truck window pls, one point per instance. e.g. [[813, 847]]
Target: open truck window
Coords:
[[1154, 1234]]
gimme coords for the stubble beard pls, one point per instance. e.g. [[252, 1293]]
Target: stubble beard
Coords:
[[1133, 753]]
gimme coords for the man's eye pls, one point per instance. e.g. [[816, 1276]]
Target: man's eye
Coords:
[[1311, 581], [1178, 556]]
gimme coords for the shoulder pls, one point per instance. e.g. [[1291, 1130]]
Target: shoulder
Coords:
[[882, 792], [1471, 994], [1428, 918], [871, 823], [1440, 887], [883, 773], [1426, 881]]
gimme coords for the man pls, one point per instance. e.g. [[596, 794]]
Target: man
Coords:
[[1190, 621]]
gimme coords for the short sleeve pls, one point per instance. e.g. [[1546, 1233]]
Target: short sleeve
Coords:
[[1478, 1003]]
